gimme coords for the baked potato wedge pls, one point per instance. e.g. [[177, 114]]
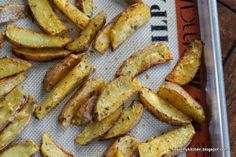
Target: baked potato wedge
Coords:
[[10, 132], [187, 67], [74, 14], [9, 83], [10, 105], [45, 16], [144, 59], [162, 109], [86, 6], [11, 66], [23, 149], [86, 36], [125, 146], [72, 80], [81, 96], [128, 22], [115, 94], [40, 55], [2, 37], [96, 129], [130, 2], [127, 121], [168, 143], [49, 148], [31, 39], [183, 101]]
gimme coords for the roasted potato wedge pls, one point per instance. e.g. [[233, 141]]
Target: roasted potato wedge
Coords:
[[162, 109], [11, 66], [45, 16], [130, 2], [14, 128], [187, 67], [23, 149], [86, 6], [97, 128], [28, 38], [9, 83], [168, 143], [2, 37], [184, 102], [72, 80], [10, 105], [144, 59], [128, 22], [81, 96], [127, 121], [49, 148], [115, 94], [74, 14], [40, 55], [11, 12], [86, 36], [125, 146]]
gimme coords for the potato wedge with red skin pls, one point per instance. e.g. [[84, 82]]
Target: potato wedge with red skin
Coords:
[[168, 143], [86, 6], [187, 67], [144, 59]]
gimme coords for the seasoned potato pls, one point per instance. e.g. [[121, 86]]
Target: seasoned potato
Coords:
[[74, 14], [10, 105], [86, 36], [127, 121], [162, 109], [9, 83], [81, 96], [123, 147], [45, 16], [72, 80], [14, 128], [128, 22], [144, 59], [187, 67], [40, 55], [28, 38], [11, 66], [115, 94], [168, 143], [96, 129], [23, 149], [2, 35], [133, 1], [86, 6], [184, 102], [49, 148]]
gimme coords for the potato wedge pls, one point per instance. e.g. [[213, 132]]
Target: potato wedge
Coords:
[[86, 6], [10, 105], [72, 80], [184, 102], [8, 84], [49, 148], [144, 59], [45, 16], [168, 143], [115, 94], [128, 22], [187, 67], [14, 128], [162, 109], [2, 37], [11, 66], [23, 149], [96, 129], [123, 147], [11, 12], [81, 96], [31, 39], [130, 2], [74, 14], [86, 36], [127, 121]]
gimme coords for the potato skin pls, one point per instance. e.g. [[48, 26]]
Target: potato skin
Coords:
[[2, 39]]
